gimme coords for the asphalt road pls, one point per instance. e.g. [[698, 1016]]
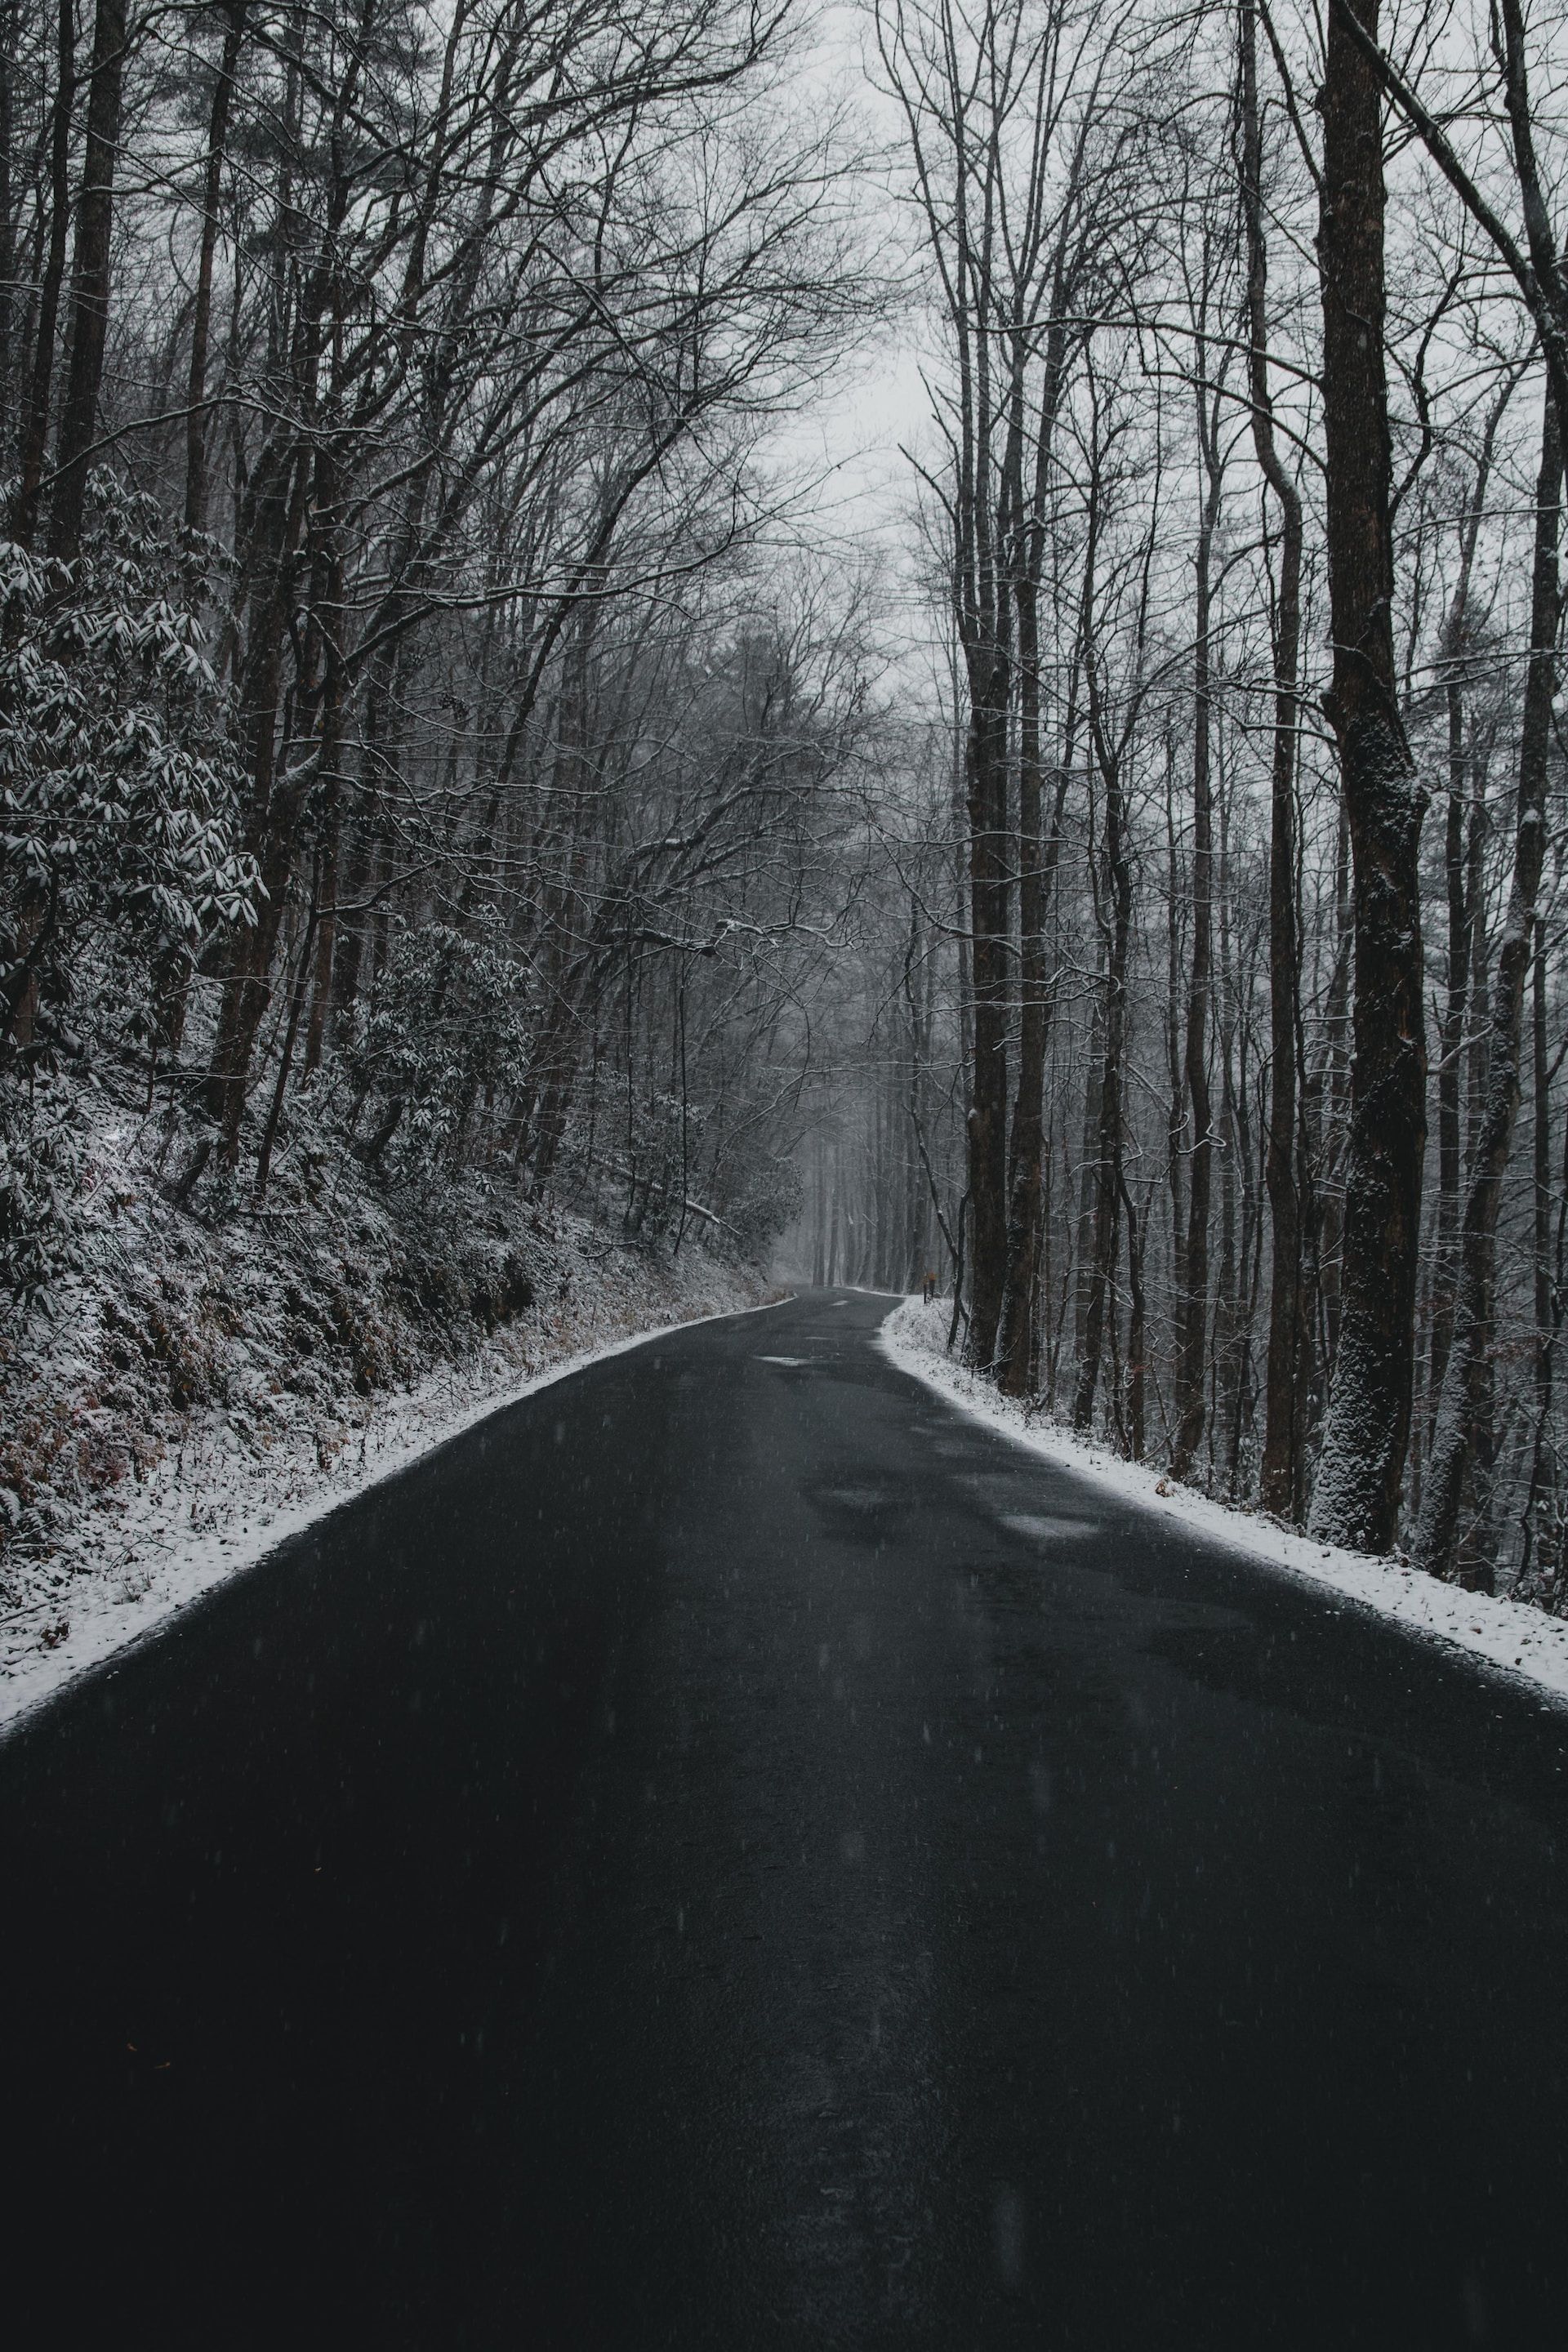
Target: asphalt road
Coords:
[[730, 1854]]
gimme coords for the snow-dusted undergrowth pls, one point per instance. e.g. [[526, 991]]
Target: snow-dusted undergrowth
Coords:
[[203, 1391], [1505, 1635]]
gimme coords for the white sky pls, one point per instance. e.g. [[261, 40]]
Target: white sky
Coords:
[[850, 441]]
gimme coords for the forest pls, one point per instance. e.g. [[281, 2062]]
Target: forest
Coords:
[[455, 755], [1220, 986]]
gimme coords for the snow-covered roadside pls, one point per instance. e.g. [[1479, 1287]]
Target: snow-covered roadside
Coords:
[[217, 1504], [1504, 1634]]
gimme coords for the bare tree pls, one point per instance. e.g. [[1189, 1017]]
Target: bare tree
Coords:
[[1355, 1499]]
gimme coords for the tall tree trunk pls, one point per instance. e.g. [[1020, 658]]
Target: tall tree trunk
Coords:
[[568, 916], [1356, 1495], [34, 435], [1538, 1562], [90, 290], [1110, 1181], [1193, 1318], [1020, 1342], [1015, 1346], [986, 779], [917, 1255], [201, 317], [1333, 1092], [1462, 1408], [1038, 857], [1175, 1112], [1452, 1048], [9, 14], [1281, 1478], [1461, 870], [1137, 1328], [833, 1224], [1088, 1169], [1540, 1100]]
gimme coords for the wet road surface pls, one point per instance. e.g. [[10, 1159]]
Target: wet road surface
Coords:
[[731, 1853]]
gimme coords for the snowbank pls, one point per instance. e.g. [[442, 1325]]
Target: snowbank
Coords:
[[1507, 1635], [204, 1393]]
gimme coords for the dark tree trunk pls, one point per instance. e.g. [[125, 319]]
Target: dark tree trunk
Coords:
[[8, 18], [916, 1216], [201, 320], [1282, 1483], [1015, 1346], [1020, 1339], [34, 436], [986, 780], [1539, 1560], [1461, 868], [1462, 1429], [1333, 1091], [1452, 1050], [1137, 1329], [1037, 855], [1175, 1115], [90, 291], [568, 918], [1540, 1101], [1110, 1184], [1356, 1495], [1089, 1170], [1192, 1315]]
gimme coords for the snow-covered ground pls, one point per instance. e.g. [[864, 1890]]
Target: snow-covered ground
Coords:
[[1507, 1635], [205, 1491]]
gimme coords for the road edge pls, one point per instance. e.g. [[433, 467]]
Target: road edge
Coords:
[[206, 1561], [1507, 1639]]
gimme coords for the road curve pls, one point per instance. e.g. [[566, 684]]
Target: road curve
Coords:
[[729, 1853]]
